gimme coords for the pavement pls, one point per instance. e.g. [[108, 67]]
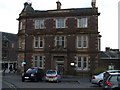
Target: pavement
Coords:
[[67, 78]]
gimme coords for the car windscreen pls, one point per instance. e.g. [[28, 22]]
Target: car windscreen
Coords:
[[51, 72], [31, 71]]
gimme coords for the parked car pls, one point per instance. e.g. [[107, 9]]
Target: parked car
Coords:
[[53, 75], [98, 79], [112, 82], [33, 74]]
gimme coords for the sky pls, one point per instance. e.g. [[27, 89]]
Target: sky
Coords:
[[107, 21]]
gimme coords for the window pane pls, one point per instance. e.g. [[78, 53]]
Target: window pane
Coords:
[[41, 24], [36, 58], [58, 23], [62, 23], [36, 41], [57, 41], [79, 41], [63, 41], [41, 42], [84, 62], [113, 78], [40, 61], [36, 24], [79, 62], [82, 23], [84, 41]]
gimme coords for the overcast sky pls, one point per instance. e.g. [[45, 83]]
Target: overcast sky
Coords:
[[108, 20]]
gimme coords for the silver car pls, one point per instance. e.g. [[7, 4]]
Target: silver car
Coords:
[[53, 75], [98, 79]]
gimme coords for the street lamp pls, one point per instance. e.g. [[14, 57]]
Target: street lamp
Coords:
[[72, 64]]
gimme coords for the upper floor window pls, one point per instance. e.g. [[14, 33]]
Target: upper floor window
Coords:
[[39, 24], [38, 42], [38, 61], [82, 23], [82, 63], [60, 41], [82, 41], [60, 23]]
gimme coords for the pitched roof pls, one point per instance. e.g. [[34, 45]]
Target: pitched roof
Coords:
[[9, 36], [29, 11], [109, 54]]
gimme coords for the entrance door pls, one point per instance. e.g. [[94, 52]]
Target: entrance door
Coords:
[[60, 65]]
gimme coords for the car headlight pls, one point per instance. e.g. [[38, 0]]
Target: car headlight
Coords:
[[32, 75]]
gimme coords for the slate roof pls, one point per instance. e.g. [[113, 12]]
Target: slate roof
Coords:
[[29, 11], [9, 36], [112, 54]]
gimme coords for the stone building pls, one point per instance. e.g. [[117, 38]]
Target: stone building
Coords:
[[64, 39]]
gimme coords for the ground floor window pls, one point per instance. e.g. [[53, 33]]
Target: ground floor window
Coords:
[[82, 63], [38, 61]]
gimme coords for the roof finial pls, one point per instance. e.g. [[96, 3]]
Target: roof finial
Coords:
[[29, 2]]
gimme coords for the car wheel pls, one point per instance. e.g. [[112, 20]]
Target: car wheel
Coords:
[[100, 83]]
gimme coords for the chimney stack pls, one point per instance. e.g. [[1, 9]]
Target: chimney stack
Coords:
[[93, 3], [58, 5]]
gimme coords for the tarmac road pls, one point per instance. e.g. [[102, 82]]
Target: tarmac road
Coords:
[[14, 82]]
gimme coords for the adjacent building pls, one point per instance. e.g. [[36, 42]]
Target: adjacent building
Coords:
[[109, 59], [8, 50], [64, 39]]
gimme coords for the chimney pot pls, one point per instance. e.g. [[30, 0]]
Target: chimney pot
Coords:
[[93, 3], [58, 5]]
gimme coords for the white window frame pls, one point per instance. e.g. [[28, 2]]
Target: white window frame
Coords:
[[84, 59], [60, 23], [39, 61], [82, 23], [82, 40], [59, 40], [38, 40], [39, 24]]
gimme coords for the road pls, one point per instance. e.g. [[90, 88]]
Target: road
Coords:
[[14, 81]]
